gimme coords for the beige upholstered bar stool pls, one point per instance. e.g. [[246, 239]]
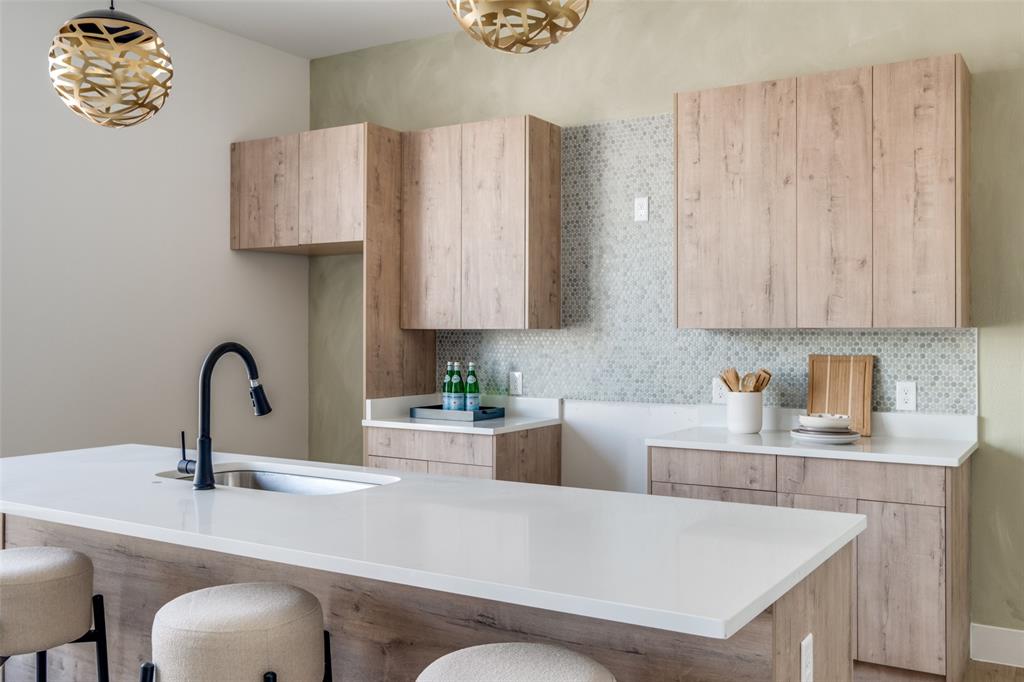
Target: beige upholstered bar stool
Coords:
[[246, 632], [46, 601], [515, 662]]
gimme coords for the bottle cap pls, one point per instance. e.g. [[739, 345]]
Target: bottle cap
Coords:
[[472, 365], [457, 364]]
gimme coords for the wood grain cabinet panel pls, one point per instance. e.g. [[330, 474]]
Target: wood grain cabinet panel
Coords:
[[265, 193], [332, 189], [440, 446], [529, 456], [915, 193], [736, 203], [707, 467], [834, 199], [909, 483], [901, 593], [415, 466], [432, 228], [467, 470], [710, 492]]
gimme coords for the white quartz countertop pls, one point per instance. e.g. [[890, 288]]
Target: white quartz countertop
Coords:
[[486, 427], [892, 449], [690, 566], [520, 414]]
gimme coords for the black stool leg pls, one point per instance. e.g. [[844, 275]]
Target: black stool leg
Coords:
[[99, 620], [40, 666], [328, 675], [269, 677], [147, 673]]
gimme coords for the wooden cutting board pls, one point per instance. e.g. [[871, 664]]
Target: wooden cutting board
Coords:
[[841, 384]]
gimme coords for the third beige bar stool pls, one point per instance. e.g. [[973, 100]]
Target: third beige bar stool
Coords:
[[515, 662]]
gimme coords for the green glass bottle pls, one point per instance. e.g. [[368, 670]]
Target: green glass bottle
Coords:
[[446, 388], [472, 388], [458, 388]]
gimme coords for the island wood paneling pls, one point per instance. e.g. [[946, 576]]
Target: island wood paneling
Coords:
[[543, 224], [432, 228], [707, 467], [493, 219], [332, 171], [710, 492], [383, 631], [833, 214], [915, 193], [901, 595], [736, 223], [397, 362], [908, 483], [265, 193]]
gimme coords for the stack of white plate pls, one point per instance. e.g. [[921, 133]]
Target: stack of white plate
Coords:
[[825, 429]]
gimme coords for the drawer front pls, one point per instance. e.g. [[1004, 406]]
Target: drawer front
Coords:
[[706, 467], [710, 492], [906, 483], [434, 446], [467, 470], [415, 466]]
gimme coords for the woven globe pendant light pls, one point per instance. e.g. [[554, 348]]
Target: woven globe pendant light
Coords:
[[519, 26], [110, 68]]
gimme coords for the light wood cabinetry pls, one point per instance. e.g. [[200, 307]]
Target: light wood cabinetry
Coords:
[[265, 193], [481, 226], [332, 185], [831, 200], [910, 605], [527, 456]]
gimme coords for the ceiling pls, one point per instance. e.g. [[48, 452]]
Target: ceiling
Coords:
[[317, 28]]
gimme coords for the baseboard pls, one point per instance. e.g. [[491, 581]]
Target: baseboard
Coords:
[[997, 645]]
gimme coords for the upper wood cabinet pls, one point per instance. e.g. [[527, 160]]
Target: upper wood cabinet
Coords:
[[332, 185], [736, 167], [831, 200], [265, 193], [481, 226]]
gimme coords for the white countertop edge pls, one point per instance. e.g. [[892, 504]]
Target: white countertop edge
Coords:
[[522, 596], [519, 424]]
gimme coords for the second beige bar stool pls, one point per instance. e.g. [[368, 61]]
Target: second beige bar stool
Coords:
[[249, 632], [515, 662]]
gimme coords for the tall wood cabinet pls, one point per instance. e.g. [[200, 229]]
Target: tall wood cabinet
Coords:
[[481, 226], [830, 200]]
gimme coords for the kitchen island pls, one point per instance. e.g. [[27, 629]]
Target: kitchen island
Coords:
[[409, 567]]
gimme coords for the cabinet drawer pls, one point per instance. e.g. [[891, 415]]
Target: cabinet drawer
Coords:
[[415, 466], [710, 492], [468, 470], [706, 467], [435, 446], [907, 483]]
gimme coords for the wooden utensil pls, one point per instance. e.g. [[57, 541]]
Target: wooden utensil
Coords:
[[732, 379], [748, 382], [841, 384], [764, 377]]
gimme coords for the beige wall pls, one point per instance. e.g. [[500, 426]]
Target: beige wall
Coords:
[[628, 58], [116, 272]]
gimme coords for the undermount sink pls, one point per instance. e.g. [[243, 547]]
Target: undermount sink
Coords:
[[284, 479]]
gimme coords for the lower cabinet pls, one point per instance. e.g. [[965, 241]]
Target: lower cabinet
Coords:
[[910, 594], [527, 456]]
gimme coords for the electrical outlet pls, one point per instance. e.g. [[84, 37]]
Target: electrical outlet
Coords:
[[515, 383], [718, 391], [640, 210], [906, 396], [807, 658]]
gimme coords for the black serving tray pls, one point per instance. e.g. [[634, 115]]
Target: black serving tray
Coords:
[[435, 412]]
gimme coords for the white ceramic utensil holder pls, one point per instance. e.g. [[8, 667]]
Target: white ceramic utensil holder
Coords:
[[743, 412]]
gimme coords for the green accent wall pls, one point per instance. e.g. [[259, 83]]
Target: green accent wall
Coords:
[[628, 58]]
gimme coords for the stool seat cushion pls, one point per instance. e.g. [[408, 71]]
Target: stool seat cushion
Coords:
[[45, 598], [515, 662], [240, 632]]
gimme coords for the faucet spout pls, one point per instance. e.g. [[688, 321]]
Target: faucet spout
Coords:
[[260, 405]]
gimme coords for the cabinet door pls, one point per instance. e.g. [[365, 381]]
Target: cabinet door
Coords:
[[432, 228], [901, 586], [834, 199], [915, 193], [494, 224], [332, 195], [736, 202], [265, 193], [416, 466], [710, 492], [544, 225]]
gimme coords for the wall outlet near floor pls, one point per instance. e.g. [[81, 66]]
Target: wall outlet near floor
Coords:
[[640, 210], [906, 396], [515, 383], [807, 658], [718, 391]]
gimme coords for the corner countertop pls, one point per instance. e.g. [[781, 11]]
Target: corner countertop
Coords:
[[691, 566], [520, 414], [889, 449]]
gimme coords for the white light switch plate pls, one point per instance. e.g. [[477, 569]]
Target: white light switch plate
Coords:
[[640, 210], [718, 391], [515, 383], [906, 396], [807, 658]]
